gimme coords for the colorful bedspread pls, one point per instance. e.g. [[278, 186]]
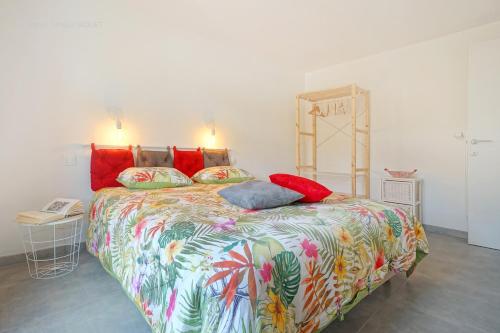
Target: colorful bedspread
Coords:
[[192, 262]]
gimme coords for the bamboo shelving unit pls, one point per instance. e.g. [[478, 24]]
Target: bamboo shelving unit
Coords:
[[358, 99]]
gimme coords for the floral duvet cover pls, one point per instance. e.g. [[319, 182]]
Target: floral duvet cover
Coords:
[[192, 262]]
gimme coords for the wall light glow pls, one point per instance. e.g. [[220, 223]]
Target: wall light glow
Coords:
[[119, 137], [107, 133], [209, 140]]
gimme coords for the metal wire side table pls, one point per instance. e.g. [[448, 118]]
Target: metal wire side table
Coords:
[[52, 249]]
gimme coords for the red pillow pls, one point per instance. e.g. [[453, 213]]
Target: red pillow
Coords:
[[312, 191], [188, 162], [106, 165]]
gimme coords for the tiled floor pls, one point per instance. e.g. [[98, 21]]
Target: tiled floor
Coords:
[[455, 289]]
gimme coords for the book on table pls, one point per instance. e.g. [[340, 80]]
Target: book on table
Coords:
[[57, 209]]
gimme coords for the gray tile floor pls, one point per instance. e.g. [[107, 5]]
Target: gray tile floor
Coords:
[[455, 289]]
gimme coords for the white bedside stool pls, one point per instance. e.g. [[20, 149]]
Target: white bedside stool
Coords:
[[405, 193], [52, 249]]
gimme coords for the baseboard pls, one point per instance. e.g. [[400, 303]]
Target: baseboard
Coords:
[[12, 259], [445, 231], [21, 257]]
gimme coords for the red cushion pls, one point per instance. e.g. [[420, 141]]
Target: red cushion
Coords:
[[312, 191], [106, 165], [188, 162]]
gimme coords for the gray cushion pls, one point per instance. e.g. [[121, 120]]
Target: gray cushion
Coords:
[[257, 194]]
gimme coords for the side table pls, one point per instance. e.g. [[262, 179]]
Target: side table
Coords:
[[52, 249]]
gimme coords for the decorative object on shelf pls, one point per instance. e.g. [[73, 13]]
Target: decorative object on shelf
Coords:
[[404, 193], [340, 107], [52, 249], [315, 111], [401, 173]]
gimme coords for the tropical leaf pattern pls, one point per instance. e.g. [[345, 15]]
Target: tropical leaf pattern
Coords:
[[394, 221], [221, 175], [286, 276], [153, 178], [192, 262], [318, 297]]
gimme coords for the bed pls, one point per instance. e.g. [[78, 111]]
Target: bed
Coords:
[[192, 262]]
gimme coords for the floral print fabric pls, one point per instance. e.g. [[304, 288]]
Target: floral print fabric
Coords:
[[191, 262], [153, 178], [222, 175]]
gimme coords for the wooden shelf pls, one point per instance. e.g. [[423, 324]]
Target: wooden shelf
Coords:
[[354, 94], [322, 95]]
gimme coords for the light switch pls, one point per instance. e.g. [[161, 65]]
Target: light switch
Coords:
[[459, 134]]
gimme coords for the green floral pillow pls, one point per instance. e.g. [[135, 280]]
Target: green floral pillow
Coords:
[[153, 177], [222, 175]]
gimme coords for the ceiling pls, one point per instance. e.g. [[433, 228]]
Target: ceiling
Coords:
[[313, 34], [297, 34]]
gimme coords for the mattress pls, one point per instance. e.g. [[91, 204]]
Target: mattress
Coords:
[[192, 262]]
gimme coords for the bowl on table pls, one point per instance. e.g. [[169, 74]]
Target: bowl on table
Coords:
[[401, 173]]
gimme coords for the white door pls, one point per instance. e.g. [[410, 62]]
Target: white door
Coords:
[[483, 139]]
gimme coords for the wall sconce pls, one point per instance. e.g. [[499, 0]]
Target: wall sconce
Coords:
[[209, 138], [119, 133], [118, 137]]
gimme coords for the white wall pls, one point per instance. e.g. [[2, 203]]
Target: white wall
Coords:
[[64, 63], [62, 66], [419, 101]]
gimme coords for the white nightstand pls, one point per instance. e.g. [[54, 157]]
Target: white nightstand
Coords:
[[52, 249], [404, 193]]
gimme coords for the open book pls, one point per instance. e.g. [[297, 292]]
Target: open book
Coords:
[[55, 210]]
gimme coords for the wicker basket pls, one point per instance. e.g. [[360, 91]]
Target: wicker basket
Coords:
[[400, 173]]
